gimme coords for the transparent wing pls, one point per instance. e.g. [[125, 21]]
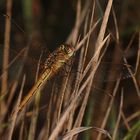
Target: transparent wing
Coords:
[[18, 42], [111, 72]]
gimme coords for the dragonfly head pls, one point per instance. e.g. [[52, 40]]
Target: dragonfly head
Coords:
[[68, 49]]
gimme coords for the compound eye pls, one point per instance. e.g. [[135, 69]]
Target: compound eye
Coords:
[[62, 47], [65, 48]]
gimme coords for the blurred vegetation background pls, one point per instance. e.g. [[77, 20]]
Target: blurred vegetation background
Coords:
[[48, 23]]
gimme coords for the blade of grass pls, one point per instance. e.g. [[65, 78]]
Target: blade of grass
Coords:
[[4, 83], [78, 130], [138, 56], [13, 118], [33, 125], [125, 121], [104, 24], [85, 99], [134, 79], [109, 107], [131, 135], [133, 116], [114, 136]]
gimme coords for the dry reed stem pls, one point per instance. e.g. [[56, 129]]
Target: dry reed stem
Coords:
[[93, 60], [83, 106], [72, 38], [104, 24], [116, 26], [85, 99], [44, 134], [138, 56], [114, 136], [78, 21], [14, 83], [62, 93], [86, 36], [16, 80], [125, 121], [4, 83], [49, 121], [134, 79], [12, 62], [133, 116], [109, 107], [6, 45], [78, 76], [55, 104], [13, 119], [78, 130], [92, 72], [130, 43], [33, 125], [82, 58], [21, 134]]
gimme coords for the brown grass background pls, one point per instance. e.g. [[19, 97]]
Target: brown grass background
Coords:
[[96, 95]]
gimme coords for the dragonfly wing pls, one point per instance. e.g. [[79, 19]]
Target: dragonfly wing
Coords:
[[111, 72]]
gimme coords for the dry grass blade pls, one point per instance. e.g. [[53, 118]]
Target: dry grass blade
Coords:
[[133, 78], [62, 120], [13, 85], [87, 35], [116, 26], [11, 63], [82, 58], [104, 24], [35, 113], [109, 107], [78, 130], [86, 96], [138, 56], [88, 39], [93, 60], [132, 135], [14, 116], [7, 45], [77, 24], [119, 118], [80, 16], [4, 83], [133, 116], [125, 121], [92, 73]]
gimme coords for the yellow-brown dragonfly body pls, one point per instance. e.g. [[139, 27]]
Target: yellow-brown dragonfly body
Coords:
[[54, 62]]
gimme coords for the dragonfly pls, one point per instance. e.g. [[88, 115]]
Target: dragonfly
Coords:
[[52, 65], [54, 62]]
